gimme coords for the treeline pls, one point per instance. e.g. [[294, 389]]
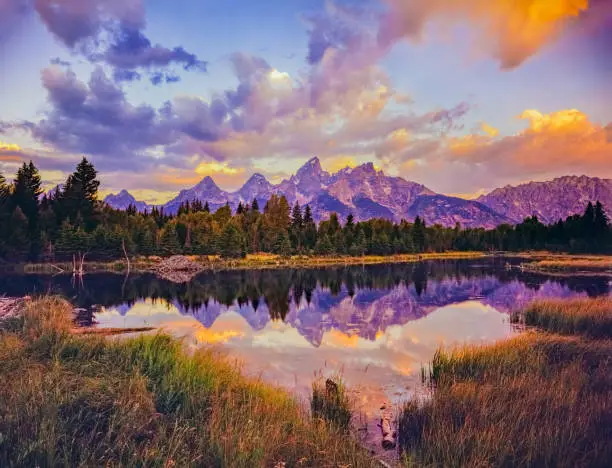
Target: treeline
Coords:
[[71, 219]]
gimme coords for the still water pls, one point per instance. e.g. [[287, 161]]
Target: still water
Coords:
[[374, 325]]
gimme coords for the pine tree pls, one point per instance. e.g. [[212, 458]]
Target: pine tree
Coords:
[[418, 234], [232, 242], [223, 214], [206, 208], [324, 245], [26, 191], [169, 242], [18, 242], [282, 245], [197, 206], [359, 246], [310, 229], [4, 190], [240, 208], [600, 220], [297, 226], [80, 195], [147, 243], [297, 221], [350, 221], [4, 213], [255, 205]]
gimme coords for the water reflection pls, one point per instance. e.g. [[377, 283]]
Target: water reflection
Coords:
[[376, 324]]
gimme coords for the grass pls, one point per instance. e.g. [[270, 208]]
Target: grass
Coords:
[[69, 400], [330, 403], [538, 399], [588, 317], [252, 261], [546, 262]]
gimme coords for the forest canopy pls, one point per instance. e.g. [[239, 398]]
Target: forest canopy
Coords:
[[71, 219]]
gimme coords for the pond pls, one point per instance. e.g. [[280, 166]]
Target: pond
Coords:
[[374, 325]]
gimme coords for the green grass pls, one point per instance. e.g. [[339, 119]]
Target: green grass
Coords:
[[69, 400], [534, 400], [330, 403], [588, 317]]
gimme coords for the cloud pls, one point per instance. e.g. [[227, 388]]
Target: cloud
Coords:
[[74, 21], [559, 143], [60, 62], [130, 49], [108, 31], [337, 27], [226, 176], [343, 104], [510, 30], [96, 119]]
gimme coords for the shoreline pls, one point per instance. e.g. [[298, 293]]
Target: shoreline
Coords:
[[535, 262], [251, 262]]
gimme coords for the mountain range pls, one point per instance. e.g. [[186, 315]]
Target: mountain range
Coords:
[[368, 193]]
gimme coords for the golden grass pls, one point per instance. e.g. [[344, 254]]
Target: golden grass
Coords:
[[548, 262], [530, 401], [253, 261], [69, 400], [590, 317], [537, 399]]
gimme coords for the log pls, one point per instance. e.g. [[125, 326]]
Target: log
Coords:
[[388, 434]]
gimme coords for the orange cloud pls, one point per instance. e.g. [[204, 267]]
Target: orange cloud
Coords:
[[224, 175], [491, 131], [10, 152], [559, 143], [9, 147], [511, 30], [566, 138]]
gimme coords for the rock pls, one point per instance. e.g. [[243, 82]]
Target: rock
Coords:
[[10, 306]]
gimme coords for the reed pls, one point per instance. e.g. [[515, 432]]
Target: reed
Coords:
[[589, 317], [330, 403], [69, 400], [537, 399]]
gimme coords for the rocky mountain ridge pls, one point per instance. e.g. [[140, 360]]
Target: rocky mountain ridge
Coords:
[[368, 193]]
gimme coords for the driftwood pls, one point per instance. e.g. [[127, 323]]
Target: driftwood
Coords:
[[388, 434]]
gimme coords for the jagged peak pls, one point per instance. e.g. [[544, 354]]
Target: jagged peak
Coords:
[[312, 165], [208, 182], [539, 183], [257, 177]]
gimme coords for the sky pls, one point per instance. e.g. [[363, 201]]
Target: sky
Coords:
[[462, 96]]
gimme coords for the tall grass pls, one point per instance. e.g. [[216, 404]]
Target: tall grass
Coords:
[[330, 402], [69, 400], [533, 400], [589, 317]]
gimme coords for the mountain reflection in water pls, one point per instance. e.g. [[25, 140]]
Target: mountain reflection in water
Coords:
[[377, 324]]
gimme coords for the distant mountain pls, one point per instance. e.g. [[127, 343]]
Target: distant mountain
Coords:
[[550, 201], [369, 193], [364, 191], [206, 191], [447, 211], [123, 200], [256, 187]]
